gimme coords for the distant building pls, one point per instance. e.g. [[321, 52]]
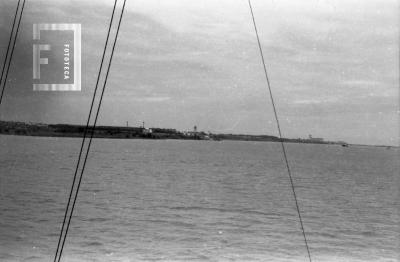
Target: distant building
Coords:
[[315, 139], [189, 133], [147, 131], [193, 133]]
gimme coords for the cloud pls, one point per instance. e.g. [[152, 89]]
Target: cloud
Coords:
[[198, 61], [362, 83], [151, 99], [324, 101]]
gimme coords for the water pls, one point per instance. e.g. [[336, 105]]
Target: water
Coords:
[[148, 200]]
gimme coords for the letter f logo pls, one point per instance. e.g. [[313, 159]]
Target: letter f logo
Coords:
[[37, 60]]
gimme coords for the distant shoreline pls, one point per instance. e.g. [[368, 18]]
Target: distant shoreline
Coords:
[[68, 130]]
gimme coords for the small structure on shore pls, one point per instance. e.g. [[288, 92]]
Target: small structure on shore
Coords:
[[192, 134], [147, 131], [315, 139]]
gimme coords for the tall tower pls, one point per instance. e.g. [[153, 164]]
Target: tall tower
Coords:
[[195, 129]]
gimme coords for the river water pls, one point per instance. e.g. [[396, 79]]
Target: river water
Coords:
[[171, 200]]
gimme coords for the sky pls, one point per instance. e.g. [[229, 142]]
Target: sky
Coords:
[[333, 66]]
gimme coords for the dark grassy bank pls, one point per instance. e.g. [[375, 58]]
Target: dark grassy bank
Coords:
[[65, 130]]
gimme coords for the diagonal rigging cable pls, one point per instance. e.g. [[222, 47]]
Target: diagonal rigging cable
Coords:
[[91, 134], [85, 132], [9, 41], [12, 49], [280, 133]]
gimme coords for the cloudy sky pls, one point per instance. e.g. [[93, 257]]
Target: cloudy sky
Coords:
[[333, 66]]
